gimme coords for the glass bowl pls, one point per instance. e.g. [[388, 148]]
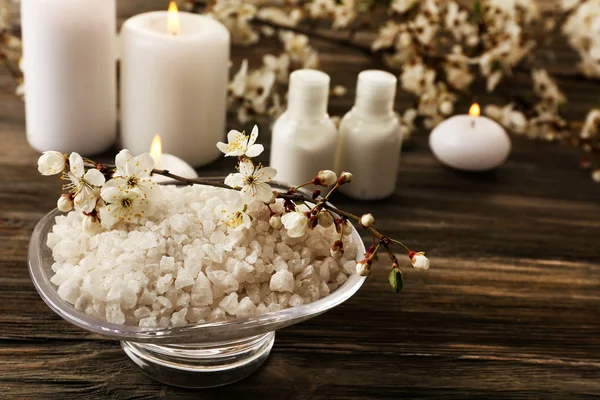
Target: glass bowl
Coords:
[[193, 356]]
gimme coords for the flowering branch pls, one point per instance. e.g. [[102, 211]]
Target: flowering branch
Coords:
[[124, 193]]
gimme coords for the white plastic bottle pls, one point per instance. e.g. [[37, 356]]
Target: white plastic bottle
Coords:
[[370, 138], [304, 137]]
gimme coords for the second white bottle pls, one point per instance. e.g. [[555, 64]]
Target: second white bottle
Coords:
[[304, 137], [370, 138]]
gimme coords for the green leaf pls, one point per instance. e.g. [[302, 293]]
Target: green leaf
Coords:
[[396, 280]]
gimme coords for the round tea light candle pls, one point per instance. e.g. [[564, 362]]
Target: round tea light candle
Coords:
[[174, 76], [470, 142], [169, 162]]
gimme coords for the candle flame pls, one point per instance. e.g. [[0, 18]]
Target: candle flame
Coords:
[[475, 111], [156, 149], [173, 23]]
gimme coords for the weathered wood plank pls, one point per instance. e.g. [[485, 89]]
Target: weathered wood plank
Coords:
[[510, 308]]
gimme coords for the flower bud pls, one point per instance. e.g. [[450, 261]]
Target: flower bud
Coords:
[[65, 203], [419, 261], [316, 194], [90, 225], [275, 222], [367, 220], [446, 108], [325, 219], [337, 250], [363, 268], [52, 163], [345, 177], [325, 178], [347, 228]]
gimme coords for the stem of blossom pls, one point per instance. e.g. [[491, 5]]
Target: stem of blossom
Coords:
[[337, 185], [304, 184], [401, 244], [10, 66]]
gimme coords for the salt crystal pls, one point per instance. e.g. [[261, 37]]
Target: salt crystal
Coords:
[[229, 303], [114, 313], [163, 283], [167, 264], [282, 281], [184, 299], [183, 279], [148, 322], [141, 312], [284, 251], [166, 303], [202, 294], [341, 278], [245, 308], [296, 301], [217, 315], [324, 273], [307, 273], [224, 280], [179, 318]]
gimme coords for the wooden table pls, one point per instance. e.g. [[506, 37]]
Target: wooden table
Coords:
[[509, 308]]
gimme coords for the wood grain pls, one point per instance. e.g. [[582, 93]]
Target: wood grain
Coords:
[[509, 309]]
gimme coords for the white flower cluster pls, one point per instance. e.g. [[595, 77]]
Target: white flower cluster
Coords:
[[10, 46], [127, 196], [582, 29], [545, 121], [255, 92]]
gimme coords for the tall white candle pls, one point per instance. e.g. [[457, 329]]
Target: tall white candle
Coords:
[[174, 75], [70, 74]]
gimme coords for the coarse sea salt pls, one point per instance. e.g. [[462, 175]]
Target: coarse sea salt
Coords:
[[182, 266]]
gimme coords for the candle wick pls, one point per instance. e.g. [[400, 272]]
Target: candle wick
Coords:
[[473, 123]]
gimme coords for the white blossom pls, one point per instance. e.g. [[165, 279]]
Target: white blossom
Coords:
[[240, 144], [507, 116], [590, 126], [298, 48], [546, 88], [236, 16], [83, 185], [275, 222], [419, 261], [325, 219], [279, 16], [344, 13], [416, 77], [326, 178], [296, 223], [345, 177], [252, 180], [367, 220], [52, 163], [90, 225], [386, 36], [65, 203], [125, 205], [233, 215], [279, 65], [133, 173], [363, 268], [402, 6], [320, 8]]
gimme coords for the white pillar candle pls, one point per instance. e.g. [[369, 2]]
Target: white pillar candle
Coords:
[[470, 142], [174, 77], [169, 162], [70, 74]]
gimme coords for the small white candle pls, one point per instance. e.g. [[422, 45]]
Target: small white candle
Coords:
[[174, 75], [169, 162], [470, 142], [70, 74]]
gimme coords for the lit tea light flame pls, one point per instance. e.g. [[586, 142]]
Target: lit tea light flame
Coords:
[[156, 151], [173, 22], [475, 110]]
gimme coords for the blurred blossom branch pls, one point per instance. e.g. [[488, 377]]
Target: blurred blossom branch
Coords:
[[440, 50]]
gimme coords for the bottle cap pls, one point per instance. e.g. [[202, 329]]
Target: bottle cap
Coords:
[[376, 91], [308, 92]]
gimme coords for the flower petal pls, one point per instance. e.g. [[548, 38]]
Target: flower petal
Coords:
[[253, 136], [222, 147], [246, 168], [144, 164], [255, 150], [76, 163], [51, 163], [121, 161], [94, 177], [234, 180], [266, 174], [86, 199], [263, 191]]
